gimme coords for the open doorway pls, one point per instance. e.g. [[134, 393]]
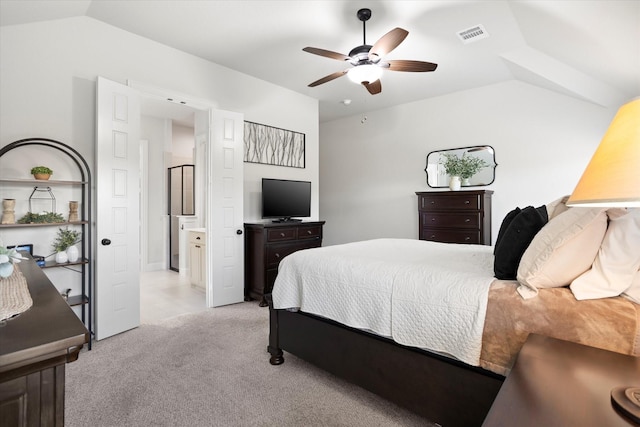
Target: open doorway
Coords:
[[219, 143], [167, 129]]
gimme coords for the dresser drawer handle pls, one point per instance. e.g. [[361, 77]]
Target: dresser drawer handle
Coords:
[[433, 236], [309, 232], [466, 202], [433, 219], [433, 202], [467, 238], [277, 255], [467, 220], [282, 234]]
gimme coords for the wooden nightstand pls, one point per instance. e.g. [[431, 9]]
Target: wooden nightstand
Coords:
[[560, 383]]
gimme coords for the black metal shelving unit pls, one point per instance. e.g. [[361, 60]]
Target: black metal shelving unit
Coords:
[[84, 264]]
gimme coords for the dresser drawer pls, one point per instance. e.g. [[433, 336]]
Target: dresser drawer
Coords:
[[312, 232], [450, 236], [281, 234], [197, 237], [451, 220], [275, 253], [450, 202]]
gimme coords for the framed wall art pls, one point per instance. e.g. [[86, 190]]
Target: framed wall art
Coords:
[[273, 146]]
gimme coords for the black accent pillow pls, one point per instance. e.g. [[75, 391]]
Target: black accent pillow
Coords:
[[516, 239], [505, 224]]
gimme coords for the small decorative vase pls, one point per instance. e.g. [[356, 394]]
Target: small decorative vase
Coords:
[[454, 183], [72, 253], [465, 182], [6, 269], [8, 212], [61, 257], [73, 211]]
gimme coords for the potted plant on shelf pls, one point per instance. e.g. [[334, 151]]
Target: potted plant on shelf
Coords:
[[41, 172], [460, 169], [41, 218], [64, 241]]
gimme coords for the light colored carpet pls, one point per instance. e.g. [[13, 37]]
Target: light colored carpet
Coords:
[[212, 369]]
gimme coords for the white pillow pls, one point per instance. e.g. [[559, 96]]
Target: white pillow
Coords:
[[562, 250], [618, 259], [556, 207]]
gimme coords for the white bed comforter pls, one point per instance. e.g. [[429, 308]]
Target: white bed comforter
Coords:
[[422, 294]]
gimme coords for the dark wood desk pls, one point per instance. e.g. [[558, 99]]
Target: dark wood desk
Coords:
[[559, 383], [34, 347]]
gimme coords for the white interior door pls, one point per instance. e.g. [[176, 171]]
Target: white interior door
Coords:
[[117, 287], [224, 209]]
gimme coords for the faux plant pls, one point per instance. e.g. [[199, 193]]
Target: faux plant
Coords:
[[64, 239], [41, 169], [9, 255], [43, 218], [464, 167]]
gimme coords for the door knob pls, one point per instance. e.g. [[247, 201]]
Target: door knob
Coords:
[[238, 232], [105, 242]]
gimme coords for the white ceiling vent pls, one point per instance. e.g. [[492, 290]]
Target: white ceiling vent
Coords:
[[473, 34]]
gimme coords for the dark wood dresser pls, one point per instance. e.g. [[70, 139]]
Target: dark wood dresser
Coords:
[[34, 348], [455, 216], [266, 244]]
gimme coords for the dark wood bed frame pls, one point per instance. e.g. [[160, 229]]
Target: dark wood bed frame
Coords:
[[442, 390]]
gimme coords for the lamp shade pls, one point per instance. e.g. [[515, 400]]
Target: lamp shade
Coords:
[[364, 73], [612, 177]]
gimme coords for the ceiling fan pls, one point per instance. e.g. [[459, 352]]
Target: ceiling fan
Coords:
[[367, 61]]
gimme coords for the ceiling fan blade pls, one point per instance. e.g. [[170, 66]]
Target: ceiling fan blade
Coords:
[[387, 43], [327, 53], [328, 78], [373, 88], [407, 65]]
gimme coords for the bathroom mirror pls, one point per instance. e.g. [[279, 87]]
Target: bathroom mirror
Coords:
[[437, 177]]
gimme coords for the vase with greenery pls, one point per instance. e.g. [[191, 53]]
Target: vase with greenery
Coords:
[[463, 167], [63, 241], [41, 172]]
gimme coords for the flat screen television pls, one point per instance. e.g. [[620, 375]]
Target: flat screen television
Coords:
[[284, 199]]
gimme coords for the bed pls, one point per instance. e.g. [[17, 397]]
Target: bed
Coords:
[[317, 305]]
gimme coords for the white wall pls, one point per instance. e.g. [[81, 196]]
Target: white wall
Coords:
[[182, 144], [47, 87], [370, 172]]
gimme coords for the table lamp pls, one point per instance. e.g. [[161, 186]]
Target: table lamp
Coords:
[[612, 179]]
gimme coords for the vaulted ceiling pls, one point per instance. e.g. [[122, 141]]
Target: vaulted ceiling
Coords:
[[585, 49]]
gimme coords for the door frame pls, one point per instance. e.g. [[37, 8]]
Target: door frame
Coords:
[[197, 104], [162, 95]]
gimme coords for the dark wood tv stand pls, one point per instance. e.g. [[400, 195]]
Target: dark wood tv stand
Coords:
[[266, 244]]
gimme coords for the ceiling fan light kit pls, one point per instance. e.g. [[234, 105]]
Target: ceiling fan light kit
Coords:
[[367, 73], [367, 61]]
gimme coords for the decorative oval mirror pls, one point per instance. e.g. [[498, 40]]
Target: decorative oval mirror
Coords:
[[476, 166]]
